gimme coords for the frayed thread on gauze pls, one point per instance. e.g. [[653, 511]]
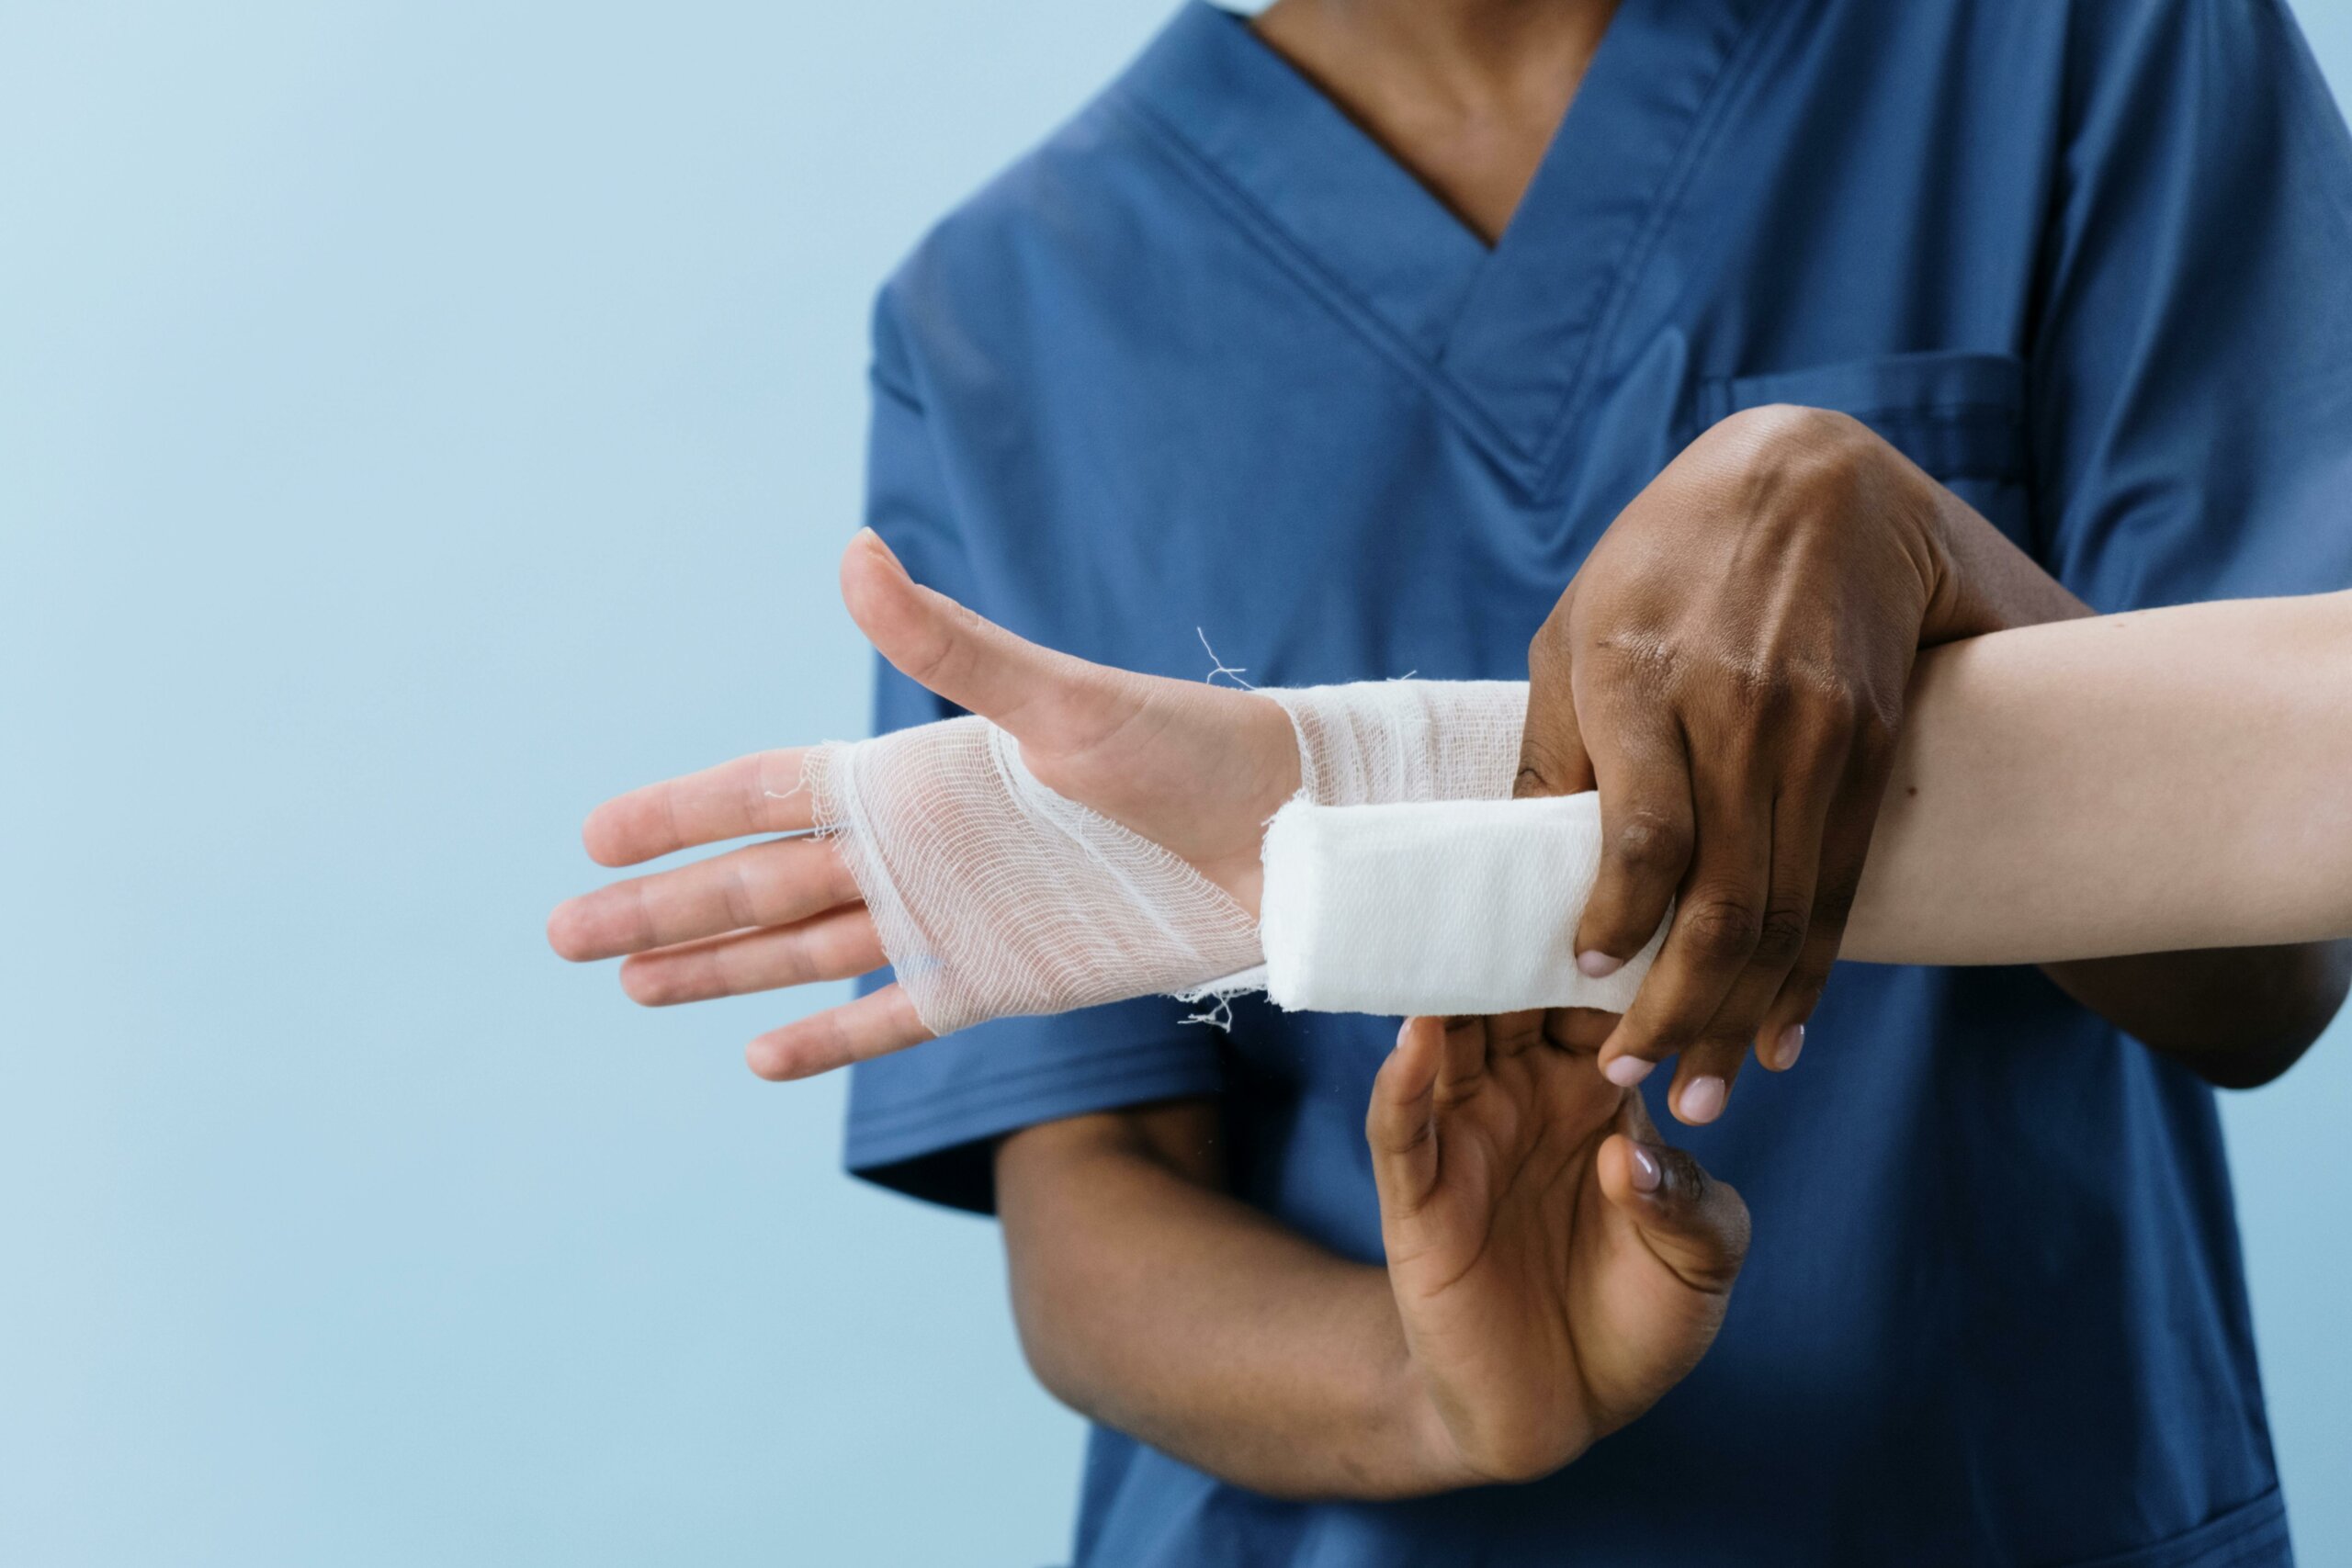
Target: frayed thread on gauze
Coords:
[[1453, 907]]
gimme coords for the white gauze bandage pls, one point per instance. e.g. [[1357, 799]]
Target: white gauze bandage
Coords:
[[1405, 880], [1464, 907], [995, 897]]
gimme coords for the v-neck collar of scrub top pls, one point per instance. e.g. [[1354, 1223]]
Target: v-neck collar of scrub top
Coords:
[[1504, 338]]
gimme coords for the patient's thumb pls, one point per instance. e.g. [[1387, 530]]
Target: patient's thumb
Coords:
[[1695, 1225], [932, 640]]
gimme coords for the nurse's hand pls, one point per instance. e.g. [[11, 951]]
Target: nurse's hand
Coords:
[[1728, 669], [1556, 1268], [1193, 767]]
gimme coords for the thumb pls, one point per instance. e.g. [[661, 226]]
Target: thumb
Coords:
[[1035, 692], [1399, 1126], [1693, 1223]]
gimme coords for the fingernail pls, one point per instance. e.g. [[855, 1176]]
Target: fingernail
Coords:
[[1647, 1173], [1785, 1047], [1626, 1071], [1702, 1098], [1403, 1030], [1598, 966]]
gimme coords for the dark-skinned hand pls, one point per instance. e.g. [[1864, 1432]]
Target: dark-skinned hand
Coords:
[[1729, 670], [1556, 1265]]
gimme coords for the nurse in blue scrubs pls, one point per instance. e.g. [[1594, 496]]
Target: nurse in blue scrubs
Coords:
[[1341, 336]]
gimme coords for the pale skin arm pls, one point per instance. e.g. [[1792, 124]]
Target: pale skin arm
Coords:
[[2139, 782]]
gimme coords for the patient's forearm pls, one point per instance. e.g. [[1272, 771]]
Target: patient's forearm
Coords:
[[2142, 782], [2167, 780]]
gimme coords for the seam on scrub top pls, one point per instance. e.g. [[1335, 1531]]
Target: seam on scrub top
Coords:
[[1294, 259], [1552, 453], [1095, 1069]]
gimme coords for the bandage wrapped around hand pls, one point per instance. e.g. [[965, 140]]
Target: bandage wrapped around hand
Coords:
[[1387, 888]]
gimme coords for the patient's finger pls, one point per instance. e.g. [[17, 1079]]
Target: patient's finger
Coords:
[[759, 794], [772, 884], [860, 1031], [836, 946]]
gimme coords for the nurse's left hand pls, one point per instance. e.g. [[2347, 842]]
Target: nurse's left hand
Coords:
[[1556, 1267], [1729, 670]]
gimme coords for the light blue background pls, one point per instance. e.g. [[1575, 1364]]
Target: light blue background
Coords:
[[418, 421]]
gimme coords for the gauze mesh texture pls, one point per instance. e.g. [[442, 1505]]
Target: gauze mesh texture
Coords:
[[1375, 743], [995, 897]]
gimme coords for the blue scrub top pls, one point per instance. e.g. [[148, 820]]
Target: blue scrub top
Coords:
[[1209, 361]]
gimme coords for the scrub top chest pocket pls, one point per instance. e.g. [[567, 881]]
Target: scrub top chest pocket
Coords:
[[1961, 416]]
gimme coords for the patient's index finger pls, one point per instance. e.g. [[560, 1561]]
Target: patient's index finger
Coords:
[[759, 794]]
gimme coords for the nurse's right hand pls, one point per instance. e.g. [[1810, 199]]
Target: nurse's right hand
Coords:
[[1729, 669]]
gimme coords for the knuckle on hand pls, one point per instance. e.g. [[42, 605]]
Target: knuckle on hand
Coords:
[[1549, 651], [1834, 715], [1720, 930], [1651, 846], [1756, 686], [1780, 935]]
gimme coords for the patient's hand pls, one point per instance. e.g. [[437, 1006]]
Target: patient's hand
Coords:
[[1556, 1268], [1195, 768]]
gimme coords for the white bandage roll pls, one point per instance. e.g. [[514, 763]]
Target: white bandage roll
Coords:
[[1445, 908]]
